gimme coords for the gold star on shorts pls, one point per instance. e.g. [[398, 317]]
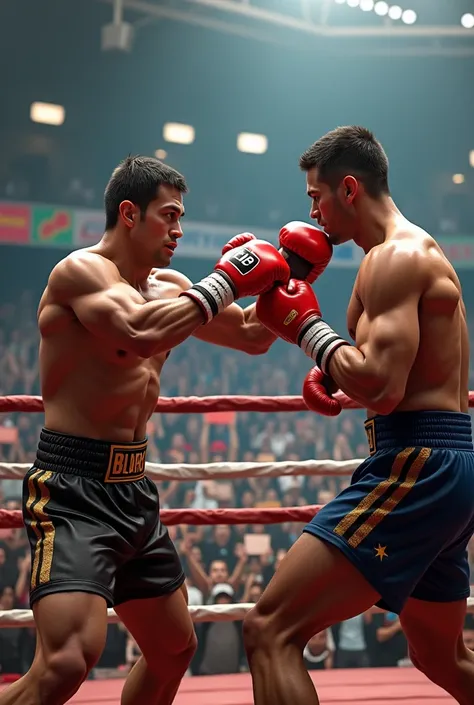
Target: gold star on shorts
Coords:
[[380, 552]]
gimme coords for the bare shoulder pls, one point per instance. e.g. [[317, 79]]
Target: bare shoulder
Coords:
[[401, 267], [81, 272], [394, 262], [173, 277]]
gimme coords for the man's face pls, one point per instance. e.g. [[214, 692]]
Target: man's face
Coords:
[[332, 209], [155, 235], [218, 572], [196, 553], [178, 441], [7, 598], [255, 593], [223, 599], [222, 534]]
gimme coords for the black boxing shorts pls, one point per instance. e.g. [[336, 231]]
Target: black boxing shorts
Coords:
[[93, 522]]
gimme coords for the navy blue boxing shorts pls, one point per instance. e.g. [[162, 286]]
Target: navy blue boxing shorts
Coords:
[[93, 522], [408, 514]]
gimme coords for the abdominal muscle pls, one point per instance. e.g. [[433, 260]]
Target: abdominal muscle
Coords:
[[437, 380], [90, 389], [94, 391]]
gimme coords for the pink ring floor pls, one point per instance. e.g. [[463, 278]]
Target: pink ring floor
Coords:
[[338, 687]]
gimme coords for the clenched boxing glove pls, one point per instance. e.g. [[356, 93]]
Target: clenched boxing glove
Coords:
[[306, 249], [286, 309], [238, 240], [317, 396], [242, 271], [293, 313]]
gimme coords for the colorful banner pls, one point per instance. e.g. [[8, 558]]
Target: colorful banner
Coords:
[[89, 227], [29, 224], [15, 223], [206, 240], [52, 226]]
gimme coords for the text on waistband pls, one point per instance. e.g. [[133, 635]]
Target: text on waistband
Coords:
[[126, 463], [370, 431]]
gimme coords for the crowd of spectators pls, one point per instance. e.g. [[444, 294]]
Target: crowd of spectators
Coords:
[[222, 564]]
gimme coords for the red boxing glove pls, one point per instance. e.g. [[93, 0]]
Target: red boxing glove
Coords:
[[253, 268], [316, 395], [286, 310], [238, 240], [306, 249], [243, 271], [293, 313]]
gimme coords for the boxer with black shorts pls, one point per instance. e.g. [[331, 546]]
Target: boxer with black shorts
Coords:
[[397, 536], [107, 319]]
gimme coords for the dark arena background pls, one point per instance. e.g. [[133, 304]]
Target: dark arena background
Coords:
[[229, 93]]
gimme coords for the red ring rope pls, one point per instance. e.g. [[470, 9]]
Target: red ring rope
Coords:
[[199, 405], [204, 517]]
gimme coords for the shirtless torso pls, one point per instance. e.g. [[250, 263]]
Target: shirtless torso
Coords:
[[92, 388], [92, 515], [439, 374], [97, 385], [108, 318], [397, 535]]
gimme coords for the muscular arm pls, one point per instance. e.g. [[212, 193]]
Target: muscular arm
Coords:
[[112, 310], [236, 577], [235, 327], [388, 631], [375, 373], [238, 328], [199, 577]]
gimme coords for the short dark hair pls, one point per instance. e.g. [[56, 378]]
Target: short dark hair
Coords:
[[345, 150], [137, 179]]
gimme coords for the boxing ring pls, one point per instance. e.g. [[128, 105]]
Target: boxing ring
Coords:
[[390, 686], [374, 686]]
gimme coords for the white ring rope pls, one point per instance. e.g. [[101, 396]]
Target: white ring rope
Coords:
[[221, 471], [185, 472], [205, 613]]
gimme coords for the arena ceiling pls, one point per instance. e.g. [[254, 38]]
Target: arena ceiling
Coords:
[[436, 32]]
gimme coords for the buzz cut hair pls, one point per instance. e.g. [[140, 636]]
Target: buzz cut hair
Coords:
[[137, 179], [350, 150]]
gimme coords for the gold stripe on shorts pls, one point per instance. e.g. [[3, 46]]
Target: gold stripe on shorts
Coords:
[[34, 524], [383, 487], [42, 527], [391, 502]]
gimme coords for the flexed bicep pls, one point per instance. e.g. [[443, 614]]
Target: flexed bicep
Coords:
[[112, 310], [376, 371], [101, 301], [393, 339], [111, 314]]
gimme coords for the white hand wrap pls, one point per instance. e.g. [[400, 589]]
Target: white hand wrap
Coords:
[[319, 342], [213, 294]]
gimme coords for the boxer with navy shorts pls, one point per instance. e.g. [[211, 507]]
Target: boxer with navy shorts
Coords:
[[397, 536]]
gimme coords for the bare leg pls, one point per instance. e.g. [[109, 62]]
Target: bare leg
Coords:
[[315, 586], [71, 631], [434, 633], [165, 634]]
